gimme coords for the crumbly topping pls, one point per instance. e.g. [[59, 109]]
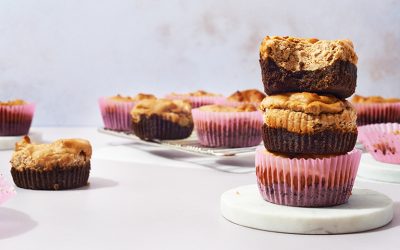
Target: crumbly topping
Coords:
[[297, 54], [175, 110], [138, 97], [222, 108], [248, 95], [373, 99], [196, 93], [309, 103], [63, 153], [13, 102]]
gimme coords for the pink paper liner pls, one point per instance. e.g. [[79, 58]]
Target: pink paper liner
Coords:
[[16, 120], [227, 102], [196, 101], [381, 141], [228, 129], [372, 113], [306, 182], [6, 190], [116, 115]]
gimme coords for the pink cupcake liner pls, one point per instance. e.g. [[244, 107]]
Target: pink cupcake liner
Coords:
[[228, 129], [227, 102], [116, 115], [6, 190], [372, 113], [301, 182], [16, 120], [382, 141], [196, 101]]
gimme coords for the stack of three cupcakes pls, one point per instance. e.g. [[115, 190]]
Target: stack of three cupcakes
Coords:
[[309, 128]]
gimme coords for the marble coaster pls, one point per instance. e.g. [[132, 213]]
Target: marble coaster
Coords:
[[8, 142], [365, 210], [378, 171]]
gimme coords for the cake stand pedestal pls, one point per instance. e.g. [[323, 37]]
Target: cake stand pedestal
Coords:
[[364, 211], [8, 142]]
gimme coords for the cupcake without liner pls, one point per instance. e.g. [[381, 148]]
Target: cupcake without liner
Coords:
[[382, 141], [115, 111], [162, 119], [197, 99], [230, 127], [6, 190], [16, 117], [63, 164], [248, 96], [376, 109], [311, 181]]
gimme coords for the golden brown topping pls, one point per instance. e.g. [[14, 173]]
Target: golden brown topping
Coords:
[[248, 95], [373, 99], [196, 93], [174, 110], [13, 103], [222, 108], [63, 153], [309, 103], [138, 97], [296, 54]]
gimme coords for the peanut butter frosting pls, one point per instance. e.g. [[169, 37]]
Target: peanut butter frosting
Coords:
[[373, 99], [297, 54], [13, 103], [179, 111], [138, 97], [196, 93], [309, 103], [222, 108], [62, 153], [248, 95]]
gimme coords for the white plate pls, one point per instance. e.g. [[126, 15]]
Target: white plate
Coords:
[[378, 171], [8, 142]]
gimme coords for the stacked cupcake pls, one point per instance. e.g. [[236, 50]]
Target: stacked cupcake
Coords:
[[309, 129]]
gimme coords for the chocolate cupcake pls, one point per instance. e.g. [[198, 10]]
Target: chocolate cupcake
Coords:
[[197, 98], [227, 126], [162, 119], [376, 109], [15, 117], [63, 164], [307, 123], [291, 64]]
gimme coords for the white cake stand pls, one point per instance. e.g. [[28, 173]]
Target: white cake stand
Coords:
[[365, 210], [378, 171], [8, 142]]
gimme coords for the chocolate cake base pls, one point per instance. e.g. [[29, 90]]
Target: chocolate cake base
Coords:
[[338, 79], [326, 142], [156, 127], [55, 179]]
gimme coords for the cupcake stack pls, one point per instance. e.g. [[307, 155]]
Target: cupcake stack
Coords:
[[309, 129]]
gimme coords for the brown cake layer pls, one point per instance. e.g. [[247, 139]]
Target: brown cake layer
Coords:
[[325, 142], [338, 79], [55, 179], [155, 127]]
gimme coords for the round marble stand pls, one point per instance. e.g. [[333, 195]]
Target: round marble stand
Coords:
[[8, 142], [378, 171], [365, 210]]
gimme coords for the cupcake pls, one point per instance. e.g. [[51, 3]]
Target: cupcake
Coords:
[[376, 109], [227, 126], [63, 164], [115, 111], [6, 190], [306, 180], [162, 119], [197, 98], [15, 117], [382, 141], [250, 96], [307, 123], [291, 64]]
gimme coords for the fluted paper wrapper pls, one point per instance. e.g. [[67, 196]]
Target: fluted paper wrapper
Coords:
[[372, 113], [6, 190], [116, 115], [304, 182], [16, 120]]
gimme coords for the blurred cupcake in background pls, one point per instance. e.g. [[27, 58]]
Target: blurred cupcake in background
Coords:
[[198, 98], [15, 117], [228, 126], [376, 109], [249, 96], [115, 110], [382, 141]]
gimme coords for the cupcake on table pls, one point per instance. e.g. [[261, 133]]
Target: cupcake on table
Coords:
[[248, 96], [309, 129], [15, 117], [197, 98], [115, 110]]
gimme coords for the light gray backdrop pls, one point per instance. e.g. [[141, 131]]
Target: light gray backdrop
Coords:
[[63, 55]]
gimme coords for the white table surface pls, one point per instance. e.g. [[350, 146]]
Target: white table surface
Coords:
[[145, 197]]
